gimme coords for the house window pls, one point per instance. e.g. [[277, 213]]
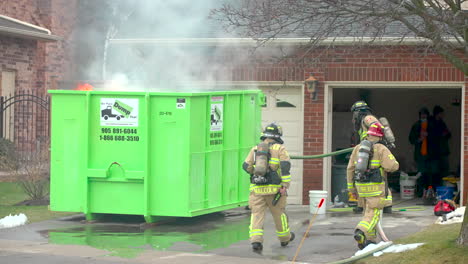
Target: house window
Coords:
[[287, 100]]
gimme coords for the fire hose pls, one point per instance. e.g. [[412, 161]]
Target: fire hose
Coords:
[[324, 155]]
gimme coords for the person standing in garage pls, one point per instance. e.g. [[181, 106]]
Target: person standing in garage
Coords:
[[421, 137], [441, 151]]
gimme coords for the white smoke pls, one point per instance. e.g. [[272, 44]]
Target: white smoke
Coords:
[[162, 45]]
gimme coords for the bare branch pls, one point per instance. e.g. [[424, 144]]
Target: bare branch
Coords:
[[442, 23]]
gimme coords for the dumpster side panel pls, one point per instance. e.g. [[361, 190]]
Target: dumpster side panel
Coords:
[[250, 129], [169, 154], [117, 156], [115, 140], [215, 127], [231, 161], [67, 141], [198, 140], [116, 197]]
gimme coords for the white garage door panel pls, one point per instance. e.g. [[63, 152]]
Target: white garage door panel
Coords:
[[291, 145], [284, 106]]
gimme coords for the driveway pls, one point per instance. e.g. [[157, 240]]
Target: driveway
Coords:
[[215, 238]]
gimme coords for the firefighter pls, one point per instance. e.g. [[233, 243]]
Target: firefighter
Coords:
[[362, 120], [367, 177], [268, 165]]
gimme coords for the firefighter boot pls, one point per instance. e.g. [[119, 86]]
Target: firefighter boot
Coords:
[[283, 244], [387, 209], [358, 210], [360, 238], [257, 246]]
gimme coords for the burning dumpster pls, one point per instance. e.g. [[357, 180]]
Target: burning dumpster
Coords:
[[151, 153]]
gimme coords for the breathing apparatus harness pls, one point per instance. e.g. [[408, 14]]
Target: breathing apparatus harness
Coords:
[[262, 174], [362, 172]]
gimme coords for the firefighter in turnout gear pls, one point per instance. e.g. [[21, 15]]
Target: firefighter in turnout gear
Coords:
[[362, 121], [367, 177], [268, 165]]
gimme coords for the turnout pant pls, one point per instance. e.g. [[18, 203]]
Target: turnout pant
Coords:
[[372, 210], [258, 205]]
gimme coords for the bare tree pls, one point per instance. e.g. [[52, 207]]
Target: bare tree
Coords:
[[440, 25]]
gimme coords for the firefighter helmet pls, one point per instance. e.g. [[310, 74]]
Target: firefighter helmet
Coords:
[[273, 131], [376, 129], [359, 106]]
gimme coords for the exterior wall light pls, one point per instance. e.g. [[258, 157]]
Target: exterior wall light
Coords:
[[311, 86]]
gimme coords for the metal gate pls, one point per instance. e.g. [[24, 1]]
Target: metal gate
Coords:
[[25, 119]]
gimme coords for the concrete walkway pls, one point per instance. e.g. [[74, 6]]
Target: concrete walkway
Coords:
[[216, 238]]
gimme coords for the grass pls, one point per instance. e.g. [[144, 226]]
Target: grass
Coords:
[[440, 247], [11, 193]]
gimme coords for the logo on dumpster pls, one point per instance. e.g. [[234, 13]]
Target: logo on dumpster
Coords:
[[119, 112], [122, 108], [216, 120]]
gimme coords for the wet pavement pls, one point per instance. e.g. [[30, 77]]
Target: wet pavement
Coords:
[[214, 238]]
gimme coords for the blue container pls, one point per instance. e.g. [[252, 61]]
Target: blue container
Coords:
[[444, 192]]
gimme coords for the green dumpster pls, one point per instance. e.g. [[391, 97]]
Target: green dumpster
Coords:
[[151, 153]]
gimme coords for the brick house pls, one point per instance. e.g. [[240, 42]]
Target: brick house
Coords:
[[34, 54], [396, 79]]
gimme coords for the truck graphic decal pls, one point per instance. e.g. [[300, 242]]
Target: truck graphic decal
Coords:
[[119, 112]]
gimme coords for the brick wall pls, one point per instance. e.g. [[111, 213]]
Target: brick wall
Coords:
[[397, 64], [19, 55], [36, 63]]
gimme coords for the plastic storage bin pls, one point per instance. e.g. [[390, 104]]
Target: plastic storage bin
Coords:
[[444, 192], [150, 153]]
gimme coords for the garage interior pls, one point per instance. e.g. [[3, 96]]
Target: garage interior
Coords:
[[400, 106]]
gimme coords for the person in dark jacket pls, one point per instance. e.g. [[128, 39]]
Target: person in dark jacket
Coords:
[[440, 151], [421, 137]]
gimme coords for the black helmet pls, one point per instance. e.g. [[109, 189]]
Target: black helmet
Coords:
[[423, 110], [359, 106], [437, 109], [273, 131]]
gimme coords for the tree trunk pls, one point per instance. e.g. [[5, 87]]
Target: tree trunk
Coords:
[[463, 238]]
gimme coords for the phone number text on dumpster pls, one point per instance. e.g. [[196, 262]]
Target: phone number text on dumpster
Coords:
[[119, 134]]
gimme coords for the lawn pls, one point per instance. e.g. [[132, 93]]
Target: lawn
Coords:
[[11, 193], [440, 247]]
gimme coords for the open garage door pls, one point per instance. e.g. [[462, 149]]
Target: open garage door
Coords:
[[401, 107], [285, 107]]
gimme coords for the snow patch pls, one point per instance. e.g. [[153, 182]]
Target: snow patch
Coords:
[[13, 220], [452, 217], [391, 249], [398, 248]]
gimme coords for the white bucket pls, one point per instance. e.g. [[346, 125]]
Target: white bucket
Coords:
[[314, 200], [407, 189]]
